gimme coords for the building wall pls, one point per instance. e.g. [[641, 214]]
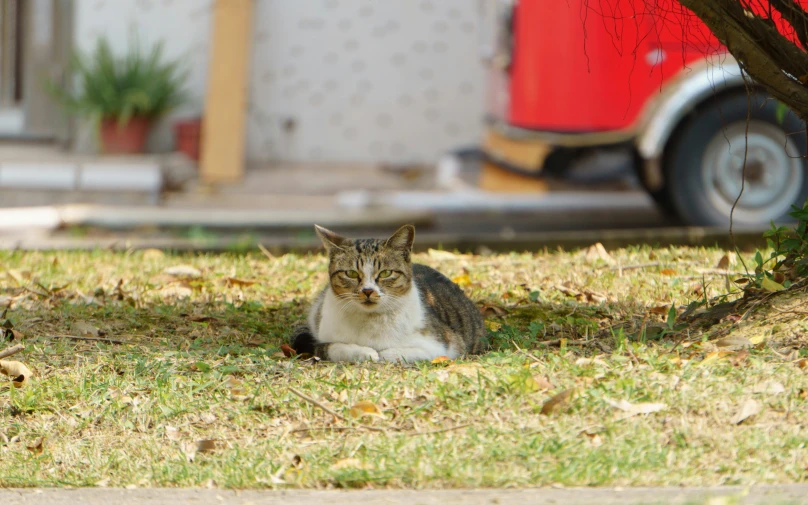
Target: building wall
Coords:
[[331, 80]]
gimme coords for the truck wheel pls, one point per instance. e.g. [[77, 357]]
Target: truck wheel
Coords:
[[704, 162]]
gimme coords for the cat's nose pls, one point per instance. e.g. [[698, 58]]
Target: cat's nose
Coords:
[[368, 291]]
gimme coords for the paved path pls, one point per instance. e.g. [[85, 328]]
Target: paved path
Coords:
[[759, 495]]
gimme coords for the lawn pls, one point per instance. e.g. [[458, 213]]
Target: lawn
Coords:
[[154, 369]]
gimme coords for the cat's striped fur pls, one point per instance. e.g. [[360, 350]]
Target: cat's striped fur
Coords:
[[379, 306]]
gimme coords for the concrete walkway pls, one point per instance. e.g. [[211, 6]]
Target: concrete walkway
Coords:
[[758, 495]]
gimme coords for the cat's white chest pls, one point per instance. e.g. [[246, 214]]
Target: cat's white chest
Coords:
[[352, 325]]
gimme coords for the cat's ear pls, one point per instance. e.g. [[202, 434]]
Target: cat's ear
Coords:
[[402, 239], [330, 239]]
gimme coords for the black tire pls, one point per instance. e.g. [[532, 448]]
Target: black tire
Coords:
[[704, 158]]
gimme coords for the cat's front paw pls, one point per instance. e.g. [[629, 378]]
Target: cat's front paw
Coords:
[[351, 352]]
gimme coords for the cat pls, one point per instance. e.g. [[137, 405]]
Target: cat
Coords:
[[379, 306]]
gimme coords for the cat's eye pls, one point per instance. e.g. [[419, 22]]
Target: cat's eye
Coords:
[[385, 274], [352, 274]]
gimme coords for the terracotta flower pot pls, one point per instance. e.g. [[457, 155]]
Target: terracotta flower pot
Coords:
[[127, 139], [188, 136]]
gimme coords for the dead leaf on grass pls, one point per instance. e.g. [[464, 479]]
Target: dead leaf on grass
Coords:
[[443, 255], [350, 463], [441, 359], [234, 282], [199, 318], [365, 408], [172, 433], [19, 276], [544, 383], [803, 363], [181, 290], [661, 310], [634, 409], [462, 280], [183, 271], [38, 446], [153, 254], [733, 343], [210, 445], [725, 261], [470, 370], [236, 388], [593, 438], [739, 358], [667, 271], [596, 252], [561, 400], [748, 409], [773, 388], [714, 357], [770, 285], [18, 372], [491, 310], [85, 329], [288, 351]]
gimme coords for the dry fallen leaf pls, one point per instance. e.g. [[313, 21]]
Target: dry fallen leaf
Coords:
[[634, 409], [153, 254], [441, 359], [18, 372], [715, 356], [85, 329], [769, 388], [232, 281], [172, 433], [38, 446], [725, 261], [739, 358], [558, 401], [770, 285], [236, 388], [183, 271], [594, 438], [470, 370], [667, 271], [748, 409], [491, 310], [209, 445], [803, 363], [543, 383], [733, 343], [462, 280], [661, 310], [442, 255], [597, 251], [350, 463], [176, 291], [288, 351], [365, 408]]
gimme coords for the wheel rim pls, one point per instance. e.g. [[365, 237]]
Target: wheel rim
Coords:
[[774, 172]]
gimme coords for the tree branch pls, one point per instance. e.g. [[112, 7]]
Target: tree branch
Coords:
[[796, 17], [768, 57]]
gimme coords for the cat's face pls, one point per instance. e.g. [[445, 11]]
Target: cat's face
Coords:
[[372, 274]]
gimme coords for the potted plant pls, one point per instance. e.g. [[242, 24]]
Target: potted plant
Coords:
[[123, 96]]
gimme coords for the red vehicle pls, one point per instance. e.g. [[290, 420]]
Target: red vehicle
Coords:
[[646, 82]]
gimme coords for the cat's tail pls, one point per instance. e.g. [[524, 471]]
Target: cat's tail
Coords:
[[302, 340]]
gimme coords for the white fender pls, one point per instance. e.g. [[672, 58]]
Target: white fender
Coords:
[[693, 85]]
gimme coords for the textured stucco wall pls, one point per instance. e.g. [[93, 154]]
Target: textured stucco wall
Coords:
[[331, 80]]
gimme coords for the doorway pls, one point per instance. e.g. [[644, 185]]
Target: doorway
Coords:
[[35, 44]]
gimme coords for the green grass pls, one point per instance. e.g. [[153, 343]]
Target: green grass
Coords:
[[201, 361]]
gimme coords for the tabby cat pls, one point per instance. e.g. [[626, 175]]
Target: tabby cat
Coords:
[[379, 306]]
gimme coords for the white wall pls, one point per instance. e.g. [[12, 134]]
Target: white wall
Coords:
[[359, 80]]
